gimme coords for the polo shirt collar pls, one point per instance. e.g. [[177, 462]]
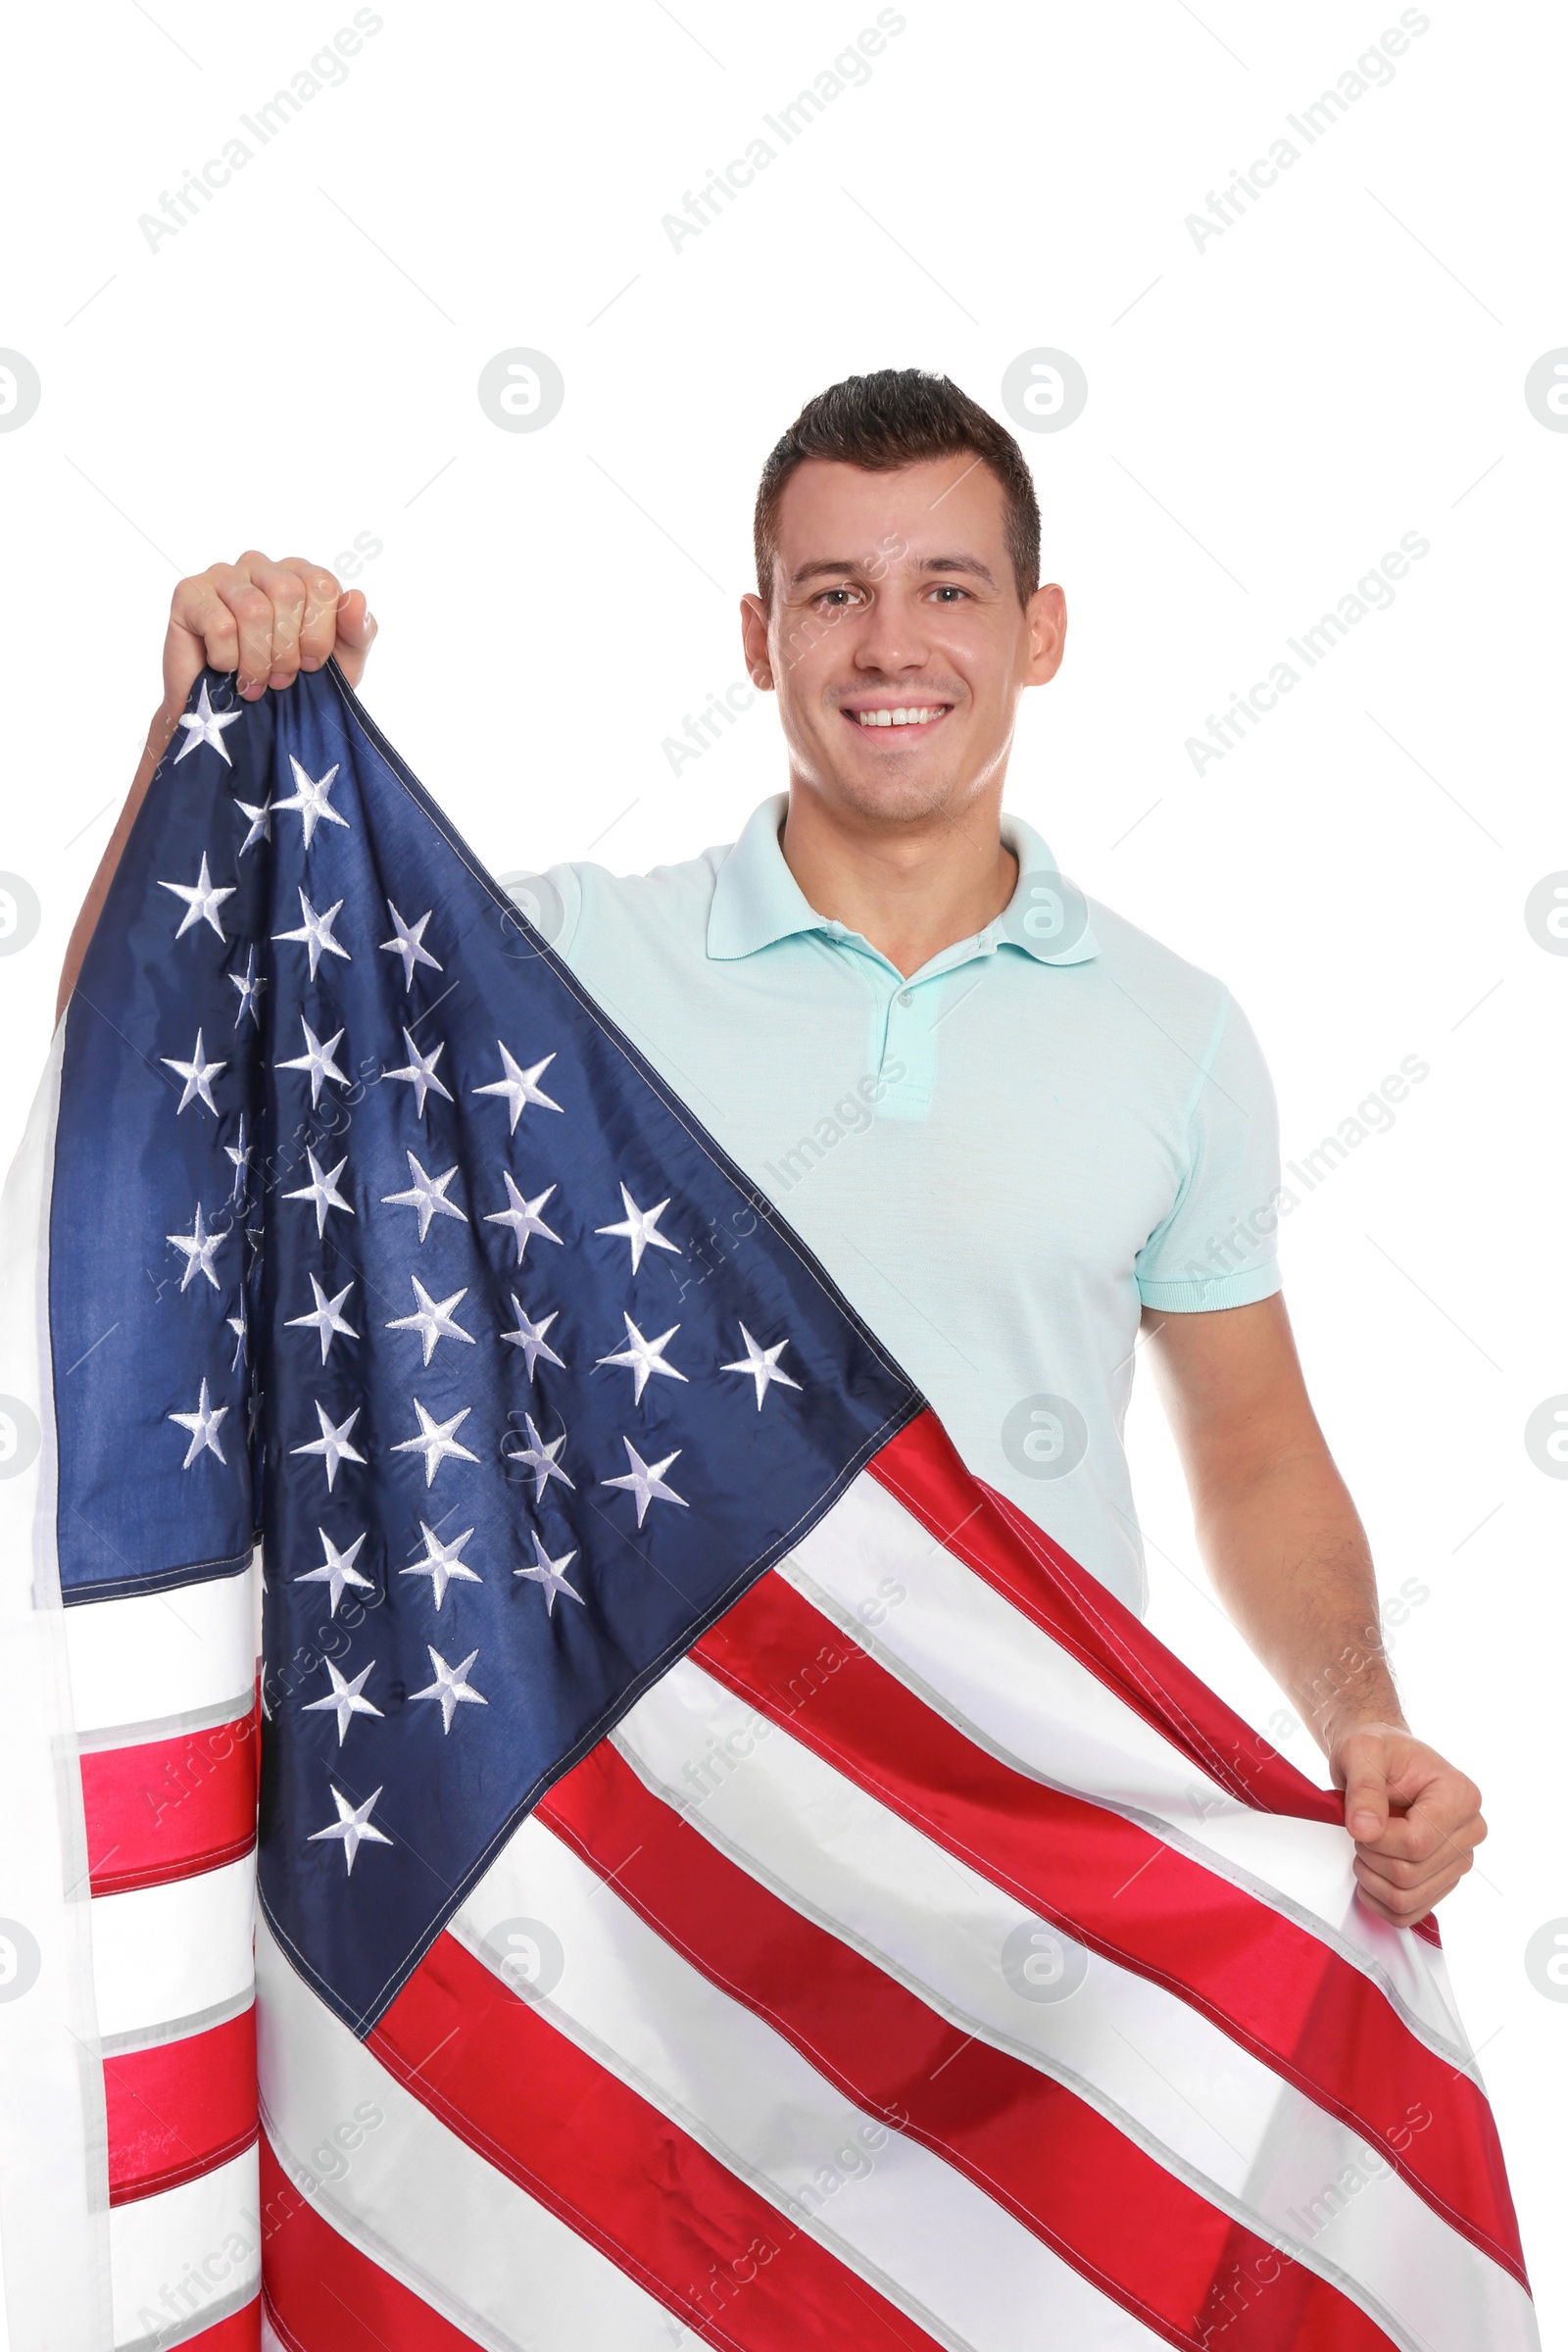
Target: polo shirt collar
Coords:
[[757, 900]]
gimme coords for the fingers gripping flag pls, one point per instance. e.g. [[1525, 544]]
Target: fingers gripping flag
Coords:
[[724, 1875]]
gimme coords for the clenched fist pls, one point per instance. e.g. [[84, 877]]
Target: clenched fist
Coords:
[[266, 621]]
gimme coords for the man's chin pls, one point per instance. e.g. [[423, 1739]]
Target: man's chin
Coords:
[[900, 796]]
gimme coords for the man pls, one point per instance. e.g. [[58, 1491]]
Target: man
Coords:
[[1015, 1129]]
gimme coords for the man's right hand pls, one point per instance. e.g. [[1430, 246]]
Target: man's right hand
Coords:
[[264, 620]]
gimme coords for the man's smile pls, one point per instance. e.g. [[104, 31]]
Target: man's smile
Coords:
[[914, 717]]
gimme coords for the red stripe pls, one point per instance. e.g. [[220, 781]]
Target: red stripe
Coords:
[[182, 2109], [324, 2295], [171, 1807], [1000, 1543], [1139, 2234], [241, 2332], [1046, 1585], [619, 2172], [1261, 1978]]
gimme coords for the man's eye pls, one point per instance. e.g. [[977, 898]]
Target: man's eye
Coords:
[[828, 595], [947, 590]]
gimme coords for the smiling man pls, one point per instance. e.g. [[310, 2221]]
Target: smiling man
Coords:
[[1017, 1131]]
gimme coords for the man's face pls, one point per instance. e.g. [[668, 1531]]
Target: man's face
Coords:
[[894, 638]]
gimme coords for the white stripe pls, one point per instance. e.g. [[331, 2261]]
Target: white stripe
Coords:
[[897, 2216], [1197, 2102], [52, 2127], [421, 2202], [186, 2258], [163, 1953], [983, 1664], [156, 1654]]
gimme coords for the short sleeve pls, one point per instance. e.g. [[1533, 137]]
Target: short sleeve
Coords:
[[1216, 1248]]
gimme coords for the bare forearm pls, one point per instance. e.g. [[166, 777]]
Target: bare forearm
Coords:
[[158, 735], [1290, 1559]]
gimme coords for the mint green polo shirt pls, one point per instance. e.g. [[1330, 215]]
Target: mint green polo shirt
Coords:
[[1001, 1158]]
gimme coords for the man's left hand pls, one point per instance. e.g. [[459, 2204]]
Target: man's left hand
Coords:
[[1415, 1817]]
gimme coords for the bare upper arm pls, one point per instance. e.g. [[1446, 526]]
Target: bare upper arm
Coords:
[[1232, 1386]]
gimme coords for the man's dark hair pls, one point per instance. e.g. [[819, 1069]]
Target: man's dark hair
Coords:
[[901, 417]]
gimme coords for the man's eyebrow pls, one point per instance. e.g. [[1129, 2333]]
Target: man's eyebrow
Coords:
[[820, 567], [824, 567], [969, 564]]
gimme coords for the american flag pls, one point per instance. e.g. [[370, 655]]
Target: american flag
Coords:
[[725, 1877]]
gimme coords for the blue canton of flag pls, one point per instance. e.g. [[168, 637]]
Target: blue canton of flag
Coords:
[[372, 1236]]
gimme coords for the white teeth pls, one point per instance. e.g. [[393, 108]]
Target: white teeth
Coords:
[[898, 718]]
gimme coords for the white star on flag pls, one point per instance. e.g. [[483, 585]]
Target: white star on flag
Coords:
[[202, 900], [450, 1687], [421, 1073], [310, 799], [761, 1365], [530, 1337], [325, 1316], [428, 1195], [552, 1574], [333, 1443], [436, 1441], [260, 823], [337, 1569], [203, 1426], [353, 1825], [321, 1190], [643, 1357], [204, 724], [197, 1076], [646, 1480], [250, 991], [540, 1458], [200, 1249], [343, 1698], [241, 1329], [432, 1318], [640, 1227], [442, 1562], [518, 1086], [315, 931], [523, 1215], [318, 1060], [241, 1153], [406, 942]]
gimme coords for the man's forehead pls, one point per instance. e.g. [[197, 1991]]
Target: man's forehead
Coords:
[[938, 514]]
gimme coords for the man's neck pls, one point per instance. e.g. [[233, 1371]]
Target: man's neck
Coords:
[[910, 890]]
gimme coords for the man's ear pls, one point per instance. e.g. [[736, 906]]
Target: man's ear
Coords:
[[753, 640], [1046, 615]]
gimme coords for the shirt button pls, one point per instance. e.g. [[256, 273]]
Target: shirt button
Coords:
[[905, 996]]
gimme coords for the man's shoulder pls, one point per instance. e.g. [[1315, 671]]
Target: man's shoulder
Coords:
[[1169, 1014], [580, 898], [1155, 976]]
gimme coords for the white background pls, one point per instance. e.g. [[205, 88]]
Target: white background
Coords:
[[1266, 416]]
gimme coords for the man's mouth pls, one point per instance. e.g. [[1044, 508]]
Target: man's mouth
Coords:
[[909, 715]]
